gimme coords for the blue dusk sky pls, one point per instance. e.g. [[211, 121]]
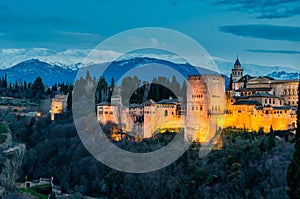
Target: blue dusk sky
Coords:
[[265, 32]]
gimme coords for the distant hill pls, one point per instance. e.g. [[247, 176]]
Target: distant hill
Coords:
[[29, 70], [51, 73], [76, 58], [284, 75], [256, 70], [156, 67]]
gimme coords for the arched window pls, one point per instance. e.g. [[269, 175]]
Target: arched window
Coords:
[[166, 113]]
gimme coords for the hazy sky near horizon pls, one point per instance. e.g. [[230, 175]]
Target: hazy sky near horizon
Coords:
[[265, 32]]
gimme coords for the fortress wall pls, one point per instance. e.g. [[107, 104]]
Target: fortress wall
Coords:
[[247, 117], [206, 104]]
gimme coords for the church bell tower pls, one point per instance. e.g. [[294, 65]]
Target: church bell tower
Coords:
[[237, 71]]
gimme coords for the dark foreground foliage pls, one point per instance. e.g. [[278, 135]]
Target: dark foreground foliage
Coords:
[[244, 168], [293, 174]]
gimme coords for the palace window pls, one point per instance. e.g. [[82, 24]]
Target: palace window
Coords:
[[267, 111], [166, 113]]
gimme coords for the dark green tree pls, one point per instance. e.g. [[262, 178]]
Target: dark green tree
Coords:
[[38, 87], [25, 85], [128, 88], [69, 101], [5, 81], [101, 94], [271, 139], [54, 87], [183, 91], [88, 76], [111, 89], [175, 86], [293, 173]]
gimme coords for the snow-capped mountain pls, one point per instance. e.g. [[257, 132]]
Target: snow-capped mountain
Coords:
[[77, 58], [62, 65], [68, 58], [146, 68], [255, 70], [31, 69], [284, 75]]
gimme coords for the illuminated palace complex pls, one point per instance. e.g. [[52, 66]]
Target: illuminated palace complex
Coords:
[[255, 103], [251, 103]]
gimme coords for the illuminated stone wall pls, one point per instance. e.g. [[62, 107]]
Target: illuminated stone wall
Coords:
[[206, 103], [206, 106], [58, 105], [105, 113], [250, 118]]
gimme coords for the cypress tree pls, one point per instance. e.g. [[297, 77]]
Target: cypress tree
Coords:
[[271, 139], [293, 173], [38, 87], [5, 81], [69, 101]]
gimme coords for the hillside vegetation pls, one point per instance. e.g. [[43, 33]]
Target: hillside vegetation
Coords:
[[245, 167]]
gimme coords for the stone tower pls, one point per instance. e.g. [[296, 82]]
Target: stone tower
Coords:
[[206, 103], [237, 71]]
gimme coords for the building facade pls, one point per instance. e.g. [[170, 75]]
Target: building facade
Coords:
[[200, 117], [58, 105], [251, 103], [257, 103]]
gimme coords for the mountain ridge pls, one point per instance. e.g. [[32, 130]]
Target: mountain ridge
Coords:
[[29, 70], [50, 73]]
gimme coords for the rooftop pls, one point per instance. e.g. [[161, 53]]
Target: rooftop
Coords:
[[168, 101], [103, 104], [254, 89], [237, 62], [247, 102], [281, 107], [261, 78], [264, 95], [245, 78]]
